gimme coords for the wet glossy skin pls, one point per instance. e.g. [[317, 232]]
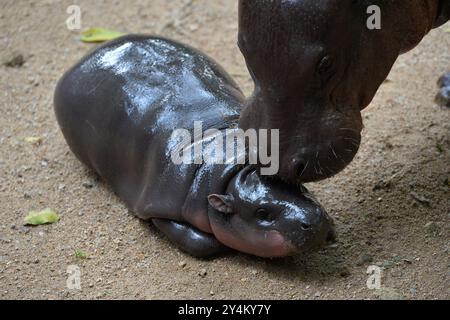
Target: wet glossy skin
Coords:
[[316, 65], [118, 108]]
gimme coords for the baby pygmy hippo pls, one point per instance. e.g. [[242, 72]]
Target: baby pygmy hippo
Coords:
[[118, 108]]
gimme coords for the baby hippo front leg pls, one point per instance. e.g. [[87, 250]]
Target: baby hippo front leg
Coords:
[[189, 239]]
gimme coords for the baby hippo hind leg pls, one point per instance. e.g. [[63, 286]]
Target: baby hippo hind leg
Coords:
[[189, 239]]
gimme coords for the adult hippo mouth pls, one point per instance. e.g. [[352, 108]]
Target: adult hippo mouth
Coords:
[[316, 65]]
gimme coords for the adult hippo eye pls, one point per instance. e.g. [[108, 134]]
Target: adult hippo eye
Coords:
[[325, 65], [265, 216]]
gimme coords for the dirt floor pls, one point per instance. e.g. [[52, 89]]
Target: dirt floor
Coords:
[[391, 205]]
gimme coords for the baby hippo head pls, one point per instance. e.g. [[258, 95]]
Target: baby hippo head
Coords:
[[268, 218]]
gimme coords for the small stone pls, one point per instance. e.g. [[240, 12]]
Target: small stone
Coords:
[[432, 227], [387, 264], [443, 97], [88, 185], [27, 195], [318, 294], [345, 272], [421, 199], [36, 261], [364, 259], [444, 81], [211, 293], [15, 60], [182, 264], [382, 185], [202, 273], [5, 240]]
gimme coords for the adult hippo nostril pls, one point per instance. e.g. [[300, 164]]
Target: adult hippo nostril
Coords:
[[301, 169]]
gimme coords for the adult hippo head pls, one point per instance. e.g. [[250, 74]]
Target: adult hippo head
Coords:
[[316, 65]]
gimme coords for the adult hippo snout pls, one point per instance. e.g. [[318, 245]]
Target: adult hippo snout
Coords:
[[316, 65], [321, 150]]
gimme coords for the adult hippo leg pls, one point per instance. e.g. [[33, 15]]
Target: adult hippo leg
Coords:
[[189, 239], [443, 96]]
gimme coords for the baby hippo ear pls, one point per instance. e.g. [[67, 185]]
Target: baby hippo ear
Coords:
[[222, 203]]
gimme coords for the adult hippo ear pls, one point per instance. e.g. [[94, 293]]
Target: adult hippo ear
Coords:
[[222, 203], [443, 13]]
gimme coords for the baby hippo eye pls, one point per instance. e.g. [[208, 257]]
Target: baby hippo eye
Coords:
[[265, 216]]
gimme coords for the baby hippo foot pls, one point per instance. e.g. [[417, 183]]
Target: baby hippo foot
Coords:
[[443, 97], [189, 239]]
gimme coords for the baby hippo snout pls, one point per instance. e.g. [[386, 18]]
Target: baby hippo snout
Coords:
[[307, 227]]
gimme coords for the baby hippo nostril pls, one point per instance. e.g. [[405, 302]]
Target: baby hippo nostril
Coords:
[[306, 226]]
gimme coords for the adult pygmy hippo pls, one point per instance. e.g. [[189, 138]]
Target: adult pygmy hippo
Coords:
[[118, 108], [316, 64]]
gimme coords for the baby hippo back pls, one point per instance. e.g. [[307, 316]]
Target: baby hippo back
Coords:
[[119, 106]]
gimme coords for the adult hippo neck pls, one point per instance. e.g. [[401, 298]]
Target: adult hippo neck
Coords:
[[316, 65]]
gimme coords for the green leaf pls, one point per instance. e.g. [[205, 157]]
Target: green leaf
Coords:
[[80, 254], [36, 218], [99, 35]]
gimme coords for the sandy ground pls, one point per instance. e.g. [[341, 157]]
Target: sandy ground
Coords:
[[405, 152]]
